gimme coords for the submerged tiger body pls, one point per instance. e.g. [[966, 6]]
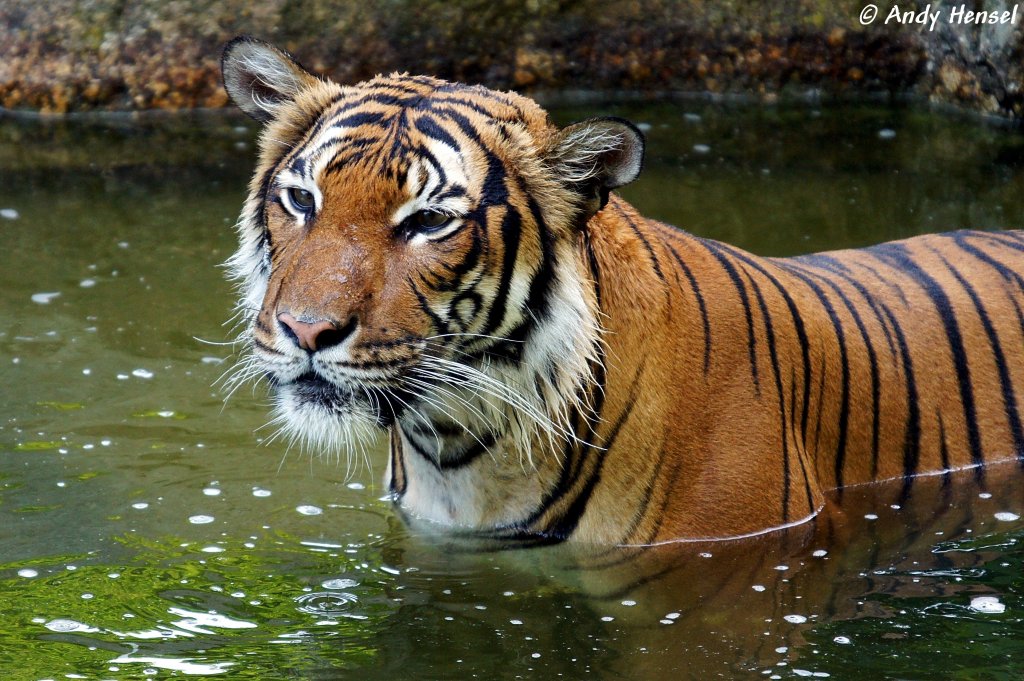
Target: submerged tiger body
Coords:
[[441, 262]]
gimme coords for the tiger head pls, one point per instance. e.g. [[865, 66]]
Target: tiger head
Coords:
[[410, 251]]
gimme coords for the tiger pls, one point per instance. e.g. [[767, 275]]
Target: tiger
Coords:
[[440, 265]]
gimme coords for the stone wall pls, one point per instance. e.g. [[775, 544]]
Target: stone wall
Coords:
[[79, 55]]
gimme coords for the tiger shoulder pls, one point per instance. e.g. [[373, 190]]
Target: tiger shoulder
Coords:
[[440, 263]]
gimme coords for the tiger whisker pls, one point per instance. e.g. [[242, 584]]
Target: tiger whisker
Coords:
[[440, 407], [520, 405], [426, 386], [472, 335], [434, 386], [230, 343], [496, 389], [418, 414]]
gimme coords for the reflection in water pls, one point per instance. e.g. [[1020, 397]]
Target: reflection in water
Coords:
[[860, 566], [144, 531]]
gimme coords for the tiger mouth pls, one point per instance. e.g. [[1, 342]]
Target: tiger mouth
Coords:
[[312, 389]]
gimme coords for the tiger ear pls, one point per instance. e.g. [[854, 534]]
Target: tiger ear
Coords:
[[597, 155], [260, 78]]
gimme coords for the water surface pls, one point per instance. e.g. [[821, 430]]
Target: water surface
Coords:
[[147, 530]]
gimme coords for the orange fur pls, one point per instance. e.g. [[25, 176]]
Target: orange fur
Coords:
[[552, 365]]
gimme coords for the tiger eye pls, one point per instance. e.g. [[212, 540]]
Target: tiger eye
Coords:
[[431, 219], [301, 198]]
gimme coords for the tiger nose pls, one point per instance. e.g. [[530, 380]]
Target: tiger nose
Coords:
[[313, 336]]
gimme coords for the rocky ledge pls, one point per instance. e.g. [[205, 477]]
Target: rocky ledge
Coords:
[[123, 55]]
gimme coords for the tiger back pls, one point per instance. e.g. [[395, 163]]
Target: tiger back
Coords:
[[441, 263]]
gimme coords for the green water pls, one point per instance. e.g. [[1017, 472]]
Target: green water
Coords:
[[147, 532]]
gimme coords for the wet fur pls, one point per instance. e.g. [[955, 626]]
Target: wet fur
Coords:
[[603, 377]]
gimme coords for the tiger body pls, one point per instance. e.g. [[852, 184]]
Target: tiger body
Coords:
[[805, 374], [440, 262]]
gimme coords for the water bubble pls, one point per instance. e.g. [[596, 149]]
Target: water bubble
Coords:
[[28, 573], [795, 619], [260, 492], [516, 622], [870, 516], [44, 298], [985, 495], [212, 492], [356, 485], [306, 509], [1006, 516], [629, 603], [672, 616], [667, 621], [701, 148], [65, 626], [87, 283], [781, 568], [212, 549], [8, 214], [140, 505], [607, 618], [988, 605], [758, 587], [201, 519], [820, 553], [886, 134], [142, 373], [339, 583], [842, 640], [691, 117]]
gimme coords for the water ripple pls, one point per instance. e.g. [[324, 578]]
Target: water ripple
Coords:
[[328, 604]]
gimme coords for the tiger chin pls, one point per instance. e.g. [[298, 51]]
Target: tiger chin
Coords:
[[441, 263]]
